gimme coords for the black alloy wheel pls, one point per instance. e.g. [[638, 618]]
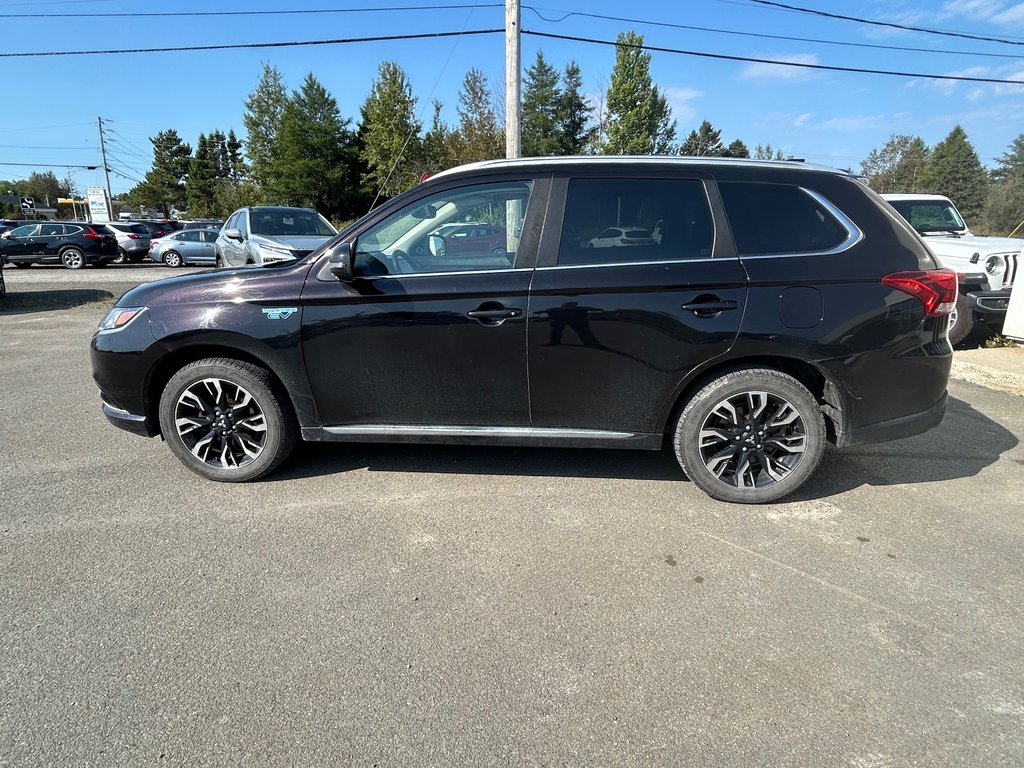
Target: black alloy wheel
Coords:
[[750, 436], [225, 420]]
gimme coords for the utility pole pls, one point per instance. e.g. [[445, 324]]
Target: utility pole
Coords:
[[106, 173], [512, 78]]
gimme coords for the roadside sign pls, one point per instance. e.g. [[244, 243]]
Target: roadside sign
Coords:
[[28, 206]]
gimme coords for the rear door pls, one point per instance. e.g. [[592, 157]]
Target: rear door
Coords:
[[614, 330]]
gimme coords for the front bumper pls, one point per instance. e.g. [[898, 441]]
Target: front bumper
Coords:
[[129, 422], [989, 304]]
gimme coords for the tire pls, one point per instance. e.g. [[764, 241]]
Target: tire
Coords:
[[72, 258], [226, 420], [173, 259], [498, 250], [219, 263], [748, 417], [3, 284], [122, 256], [961, 322]]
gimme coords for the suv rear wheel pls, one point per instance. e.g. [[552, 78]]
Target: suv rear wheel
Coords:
[[225, 420], [750, 436], [72, 258], [961, 321]]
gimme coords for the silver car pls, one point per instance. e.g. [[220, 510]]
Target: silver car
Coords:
[[267, 234], [133, 240], [187, 246]]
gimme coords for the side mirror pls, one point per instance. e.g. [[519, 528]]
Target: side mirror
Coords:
[[437, 246], [340, 261], [233, 234]]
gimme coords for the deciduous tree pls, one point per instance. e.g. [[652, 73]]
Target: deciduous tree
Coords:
[[639, 120]]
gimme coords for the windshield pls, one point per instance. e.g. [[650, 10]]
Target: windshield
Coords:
[[288, 223], [930, 215]]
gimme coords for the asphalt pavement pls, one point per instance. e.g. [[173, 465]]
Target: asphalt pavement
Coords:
[[397, 606]]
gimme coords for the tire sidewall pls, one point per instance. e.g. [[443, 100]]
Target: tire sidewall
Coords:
[[280, 435], [173, 259], [964, 321], [686, 439]]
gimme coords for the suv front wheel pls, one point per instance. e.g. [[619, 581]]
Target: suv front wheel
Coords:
[[750, 436], [225, 420]]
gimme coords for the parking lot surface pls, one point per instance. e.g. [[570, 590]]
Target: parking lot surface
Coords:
[[377, 605]]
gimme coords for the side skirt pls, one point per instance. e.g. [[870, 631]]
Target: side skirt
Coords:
[[476, 435]]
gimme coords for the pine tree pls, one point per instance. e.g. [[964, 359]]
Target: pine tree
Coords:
[[955, 170], [1004, 206], [1011, 164], [706, 141], [639, 121], [389, 133], [437, 145], [264, 110], [163, 186], [313, 155], [574, 115], [541, 100], [736, 149], [201, 184], [478, 136]]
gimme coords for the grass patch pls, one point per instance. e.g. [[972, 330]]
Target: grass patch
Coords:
[[997, 341]]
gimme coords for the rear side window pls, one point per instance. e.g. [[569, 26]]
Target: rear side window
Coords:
[[189, 235], [101, 229], [609, 221], [52, 229], [773, 219], [138, 229]]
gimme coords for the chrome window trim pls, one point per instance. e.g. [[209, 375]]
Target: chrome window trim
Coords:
[[430, 430], [853, 232], [441, 274], [638, 263]]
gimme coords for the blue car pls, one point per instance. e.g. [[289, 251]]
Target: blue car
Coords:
[[187, 246]]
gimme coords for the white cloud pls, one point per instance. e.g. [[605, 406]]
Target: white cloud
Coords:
[[780, 71], [1012, 16], [681, 101]]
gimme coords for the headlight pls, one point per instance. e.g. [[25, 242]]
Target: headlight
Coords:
[[270, 254], [994, 265], [118, 318]]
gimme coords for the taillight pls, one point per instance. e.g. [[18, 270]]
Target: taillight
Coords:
[[935, 288], [90, 233], [134, 237]]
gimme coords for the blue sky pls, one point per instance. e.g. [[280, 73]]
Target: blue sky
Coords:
[[832, 118]]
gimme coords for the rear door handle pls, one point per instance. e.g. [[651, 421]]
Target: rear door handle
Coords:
[[705, 306]]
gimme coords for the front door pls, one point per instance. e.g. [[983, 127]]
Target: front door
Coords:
[[21, 241], [618, 321], [424, 335]]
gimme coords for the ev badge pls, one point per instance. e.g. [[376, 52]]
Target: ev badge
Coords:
[[279, 313]]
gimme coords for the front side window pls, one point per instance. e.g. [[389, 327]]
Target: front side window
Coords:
[[775, 219], [610, 221], [463, 229], [27, 231]]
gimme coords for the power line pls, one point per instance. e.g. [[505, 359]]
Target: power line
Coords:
[[763, 35], [91, 167], [288, 12], [753, 60], [236, 46], [889, 24]]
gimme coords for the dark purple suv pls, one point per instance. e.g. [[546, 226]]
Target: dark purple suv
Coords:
[[770, 317]]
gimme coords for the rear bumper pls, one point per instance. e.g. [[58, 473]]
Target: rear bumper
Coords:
[[894, 429]]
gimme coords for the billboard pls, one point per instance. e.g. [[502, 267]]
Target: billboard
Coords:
[[99, 204]]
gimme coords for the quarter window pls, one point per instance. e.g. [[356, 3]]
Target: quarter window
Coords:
[[771, 219], [458, 230], [611, 221]]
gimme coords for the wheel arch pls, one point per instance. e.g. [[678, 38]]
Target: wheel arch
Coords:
[[817, 381], [177, 359]]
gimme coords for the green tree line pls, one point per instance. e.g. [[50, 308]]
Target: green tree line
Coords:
[[991, 201]]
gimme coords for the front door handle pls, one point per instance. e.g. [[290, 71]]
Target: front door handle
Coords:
[[494, 314], [707, 306]]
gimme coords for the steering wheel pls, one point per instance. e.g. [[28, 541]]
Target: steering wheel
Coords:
[[399, 262]]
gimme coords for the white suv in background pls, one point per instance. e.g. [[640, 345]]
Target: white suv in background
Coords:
[[270, 233], [133, 240]]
